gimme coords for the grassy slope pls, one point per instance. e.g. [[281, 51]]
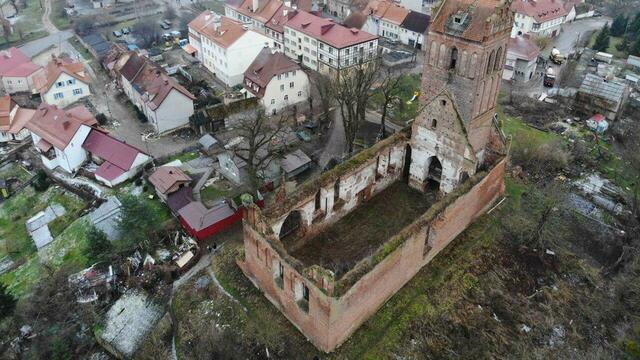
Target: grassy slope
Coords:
[[613, 41], [16, 242], [58, 16]]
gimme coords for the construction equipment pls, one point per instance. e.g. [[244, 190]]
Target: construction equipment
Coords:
[[556, 57], [549, 77]]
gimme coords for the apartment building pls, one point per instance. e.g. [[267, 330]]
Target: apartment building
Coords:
[[225, 46], [322, 45], [539, 18]]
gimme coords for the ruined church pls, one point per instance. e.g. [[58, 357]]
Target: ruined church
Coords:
[[332, 252]]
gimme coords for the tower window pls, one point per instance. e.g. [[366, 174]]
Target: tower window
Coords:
[[454, 58], [443, 102], [434, 123]]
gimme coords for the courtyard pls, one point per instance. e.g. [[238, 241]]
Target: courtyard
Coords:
[[359, 233]]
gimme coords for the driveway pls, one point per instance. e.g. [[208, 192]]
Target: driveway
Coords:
[[336, 145], [55, 38], [575, 32]]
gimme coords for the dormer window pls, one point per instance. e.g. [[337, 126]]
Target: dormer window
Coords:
[[457, 19]]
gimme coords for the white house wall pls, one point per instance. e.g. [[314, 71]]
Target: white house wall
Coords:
[[66, 91], [229, 64], [173, 113], [278, 89]]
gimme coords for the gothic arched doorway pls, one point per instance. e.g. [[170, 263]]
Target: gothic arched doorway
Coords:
[[434, 175], [291, 225]]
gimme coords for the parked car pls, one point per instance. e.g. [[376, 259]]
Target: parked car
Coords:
[[175, 34], [117, 33], [125, 30], [165, 26], [166, 22]]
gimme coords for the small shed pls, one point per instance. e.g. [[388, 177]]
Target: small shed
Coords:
[[201, 222], [106, 216], [295, 163], [598, 123], [207, 142]]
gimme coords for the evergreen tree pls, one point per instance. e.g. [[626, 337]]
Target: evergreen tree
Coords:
[[619, 25], [98, 244], [602, 40], [7, 302], [139, 221], [635, 48], [634, 26]]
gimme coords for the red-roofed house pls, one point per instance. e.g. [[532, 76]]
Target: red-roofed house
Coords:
[[165, 103], [18, 71], [541, 18], [63, 82], [117, 161], [13, 119], [59, 134], [322, 45], [225, 46], [521, 61], [167, 180], [276, 80]]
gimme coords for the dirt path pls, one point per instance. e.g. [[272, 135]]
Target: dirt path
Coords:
[[46, 22]]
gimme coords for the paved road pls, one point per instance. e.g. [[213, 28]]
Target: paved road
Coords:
[[55, 38], [575, 32], [336, 145]]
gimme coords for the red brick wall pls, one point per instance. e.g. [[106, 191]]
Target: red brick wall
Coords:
[[330, 321]]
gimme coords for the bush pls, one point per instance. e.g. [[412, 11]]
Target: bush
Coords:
[[537, 157], [7, 302], [101, 118], [98, 245], [41, 182]]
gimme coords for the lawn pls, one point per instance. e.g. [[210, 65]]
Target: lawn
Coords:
[[613, 42], [14, 169], [185, 156], [29, 22], [401, 111], [216, 191], [15, 240]]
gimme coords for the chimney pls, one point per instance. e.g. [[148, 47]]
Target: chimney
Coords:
[[166, 81], [66, 124], [284, 12], [256, 5]]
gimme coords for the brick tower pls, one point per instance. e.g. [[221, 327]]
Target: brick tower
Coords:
[[464, 58], [466, 54]]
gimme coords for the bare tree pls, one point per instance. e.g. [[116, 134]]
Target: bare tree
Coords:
[[6, 29], [263, 140], [351, 90], [322, 84], [147, 32], [84, 25], [170, 13], [390, 87]]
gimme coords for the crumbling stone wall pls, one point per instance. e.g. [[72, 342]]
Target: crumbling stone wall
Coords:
[[331, 315], [439, 133]]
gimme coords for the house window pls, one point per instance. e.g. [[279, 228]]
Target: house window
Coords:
[[60, 84], [291, 85], [286, 97], [71, 81], [299, 93], [58, 96], [77, 91], [282, 87], [273, 101]]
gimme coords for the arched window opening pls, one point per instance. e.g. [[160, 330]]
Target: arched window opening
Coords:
[[434, 123], [291, 225], [490, 61], [498, 62], [454, 59]]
